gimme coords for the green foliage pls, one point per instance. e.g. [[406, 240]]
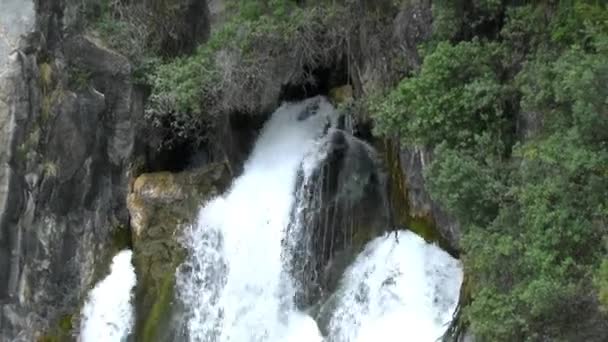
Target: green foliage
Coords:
[[532, 204], [569, 90], [579, 22], [262, 41], [462, 19], [456, 96], [467, 187]]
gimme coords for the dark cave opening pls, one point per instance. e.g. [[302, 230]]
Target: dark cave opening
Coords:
[[320, 81]]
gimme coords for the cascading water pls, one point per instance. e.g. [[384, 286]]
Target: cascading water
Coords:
[[236, 283], [233, 283], [399, 289], [108, 312]]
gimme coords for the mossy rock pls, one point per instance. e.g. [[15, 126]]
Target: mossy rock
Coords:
[[341, 95], [423, 224], [161, 204], [62, 332]]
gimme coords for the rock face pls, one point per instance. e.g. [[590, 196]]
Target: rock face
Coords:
[[346, 205], [161, 204], [66, 142], [72, 137], [65, 156], [413, 162]]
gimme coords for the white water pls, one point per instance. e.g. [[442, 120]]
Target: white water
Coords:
[[108, 313], [237, 290], [234, 283], [397, 291]]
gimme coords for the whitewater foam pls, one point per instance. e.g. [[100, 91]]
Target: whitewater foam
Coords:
[[399, 289], [108, 314]]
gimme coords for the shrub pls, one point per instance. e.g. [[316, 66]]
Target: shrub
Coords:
[[263, 46], [456, 96], [533, 212]]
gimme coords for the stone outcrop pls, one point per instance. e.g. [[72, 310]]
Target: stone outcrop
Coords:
[[161, 205], [345, 206], [411, 203], [68, 153], [68, 123]]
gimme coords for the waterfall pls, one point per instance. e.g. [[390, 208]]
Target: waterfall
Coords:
[[399, 289], [236, 283], [233, 283], [108, 313]]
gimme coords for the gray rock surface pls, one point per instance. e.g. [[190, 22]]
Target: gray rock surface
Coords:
[[414, 161], [346, 205], [64, 159]]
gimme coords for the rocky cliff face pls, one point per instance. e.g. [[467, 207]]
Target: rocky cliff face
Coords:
[[161, 205], [67, 140]]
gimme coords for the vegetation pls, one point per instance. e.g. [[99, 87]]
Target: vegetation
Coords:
[[262, 46], [516, 113]]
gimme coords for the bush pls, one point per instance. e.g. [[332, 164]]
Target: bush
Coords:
[[263, 46], [456, 96]]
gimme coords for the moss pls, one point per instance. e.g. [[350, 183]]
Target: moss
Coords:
[[51, 92], [65, 324], [341, 95], [79, 78], [27, 149], [62, 331], [423, 225], [398, 190], [46, 76], [46, 338], [120, 238], [161, 308]]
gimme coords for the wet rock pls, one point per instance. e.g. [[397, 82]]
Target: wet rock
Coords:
[[345, 206], [161, 205], [413, 161], [65, 154]]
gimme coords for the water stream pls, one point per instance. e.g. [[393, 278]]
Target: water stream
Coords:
[[108, 312], [236, 284]]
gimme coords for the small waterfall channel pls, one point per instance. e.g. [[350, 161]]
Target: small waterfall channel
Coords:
[[253, 270], [108, 312]]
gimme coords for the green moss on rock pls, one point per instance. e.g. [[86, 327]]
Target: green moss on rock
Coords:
[[120, 239], [161, 308], [62, 332], [161, 204], [423, 224]]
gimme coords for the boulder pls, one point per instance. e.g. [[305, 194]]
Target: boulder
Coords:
[[344, 204], [161, 205]]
